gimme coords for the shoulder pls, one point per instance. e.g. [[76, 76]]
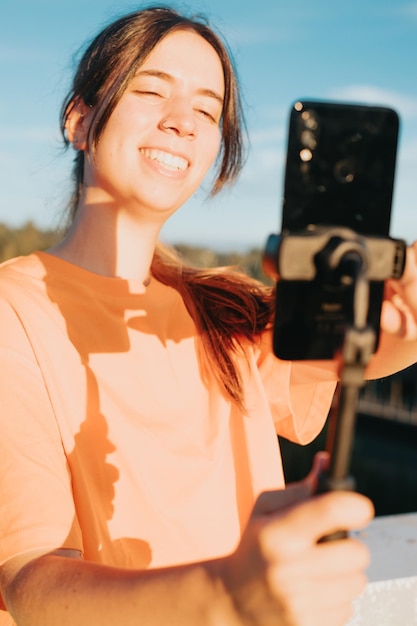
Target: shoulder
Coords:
[[23, 270], [22, 291]]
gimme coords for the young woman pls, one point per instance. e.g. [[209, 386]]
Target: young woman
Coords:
[[140, 477]]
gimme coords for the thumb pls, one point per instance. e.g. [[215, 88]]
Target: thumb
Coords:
[[272, 501], [320, 465]]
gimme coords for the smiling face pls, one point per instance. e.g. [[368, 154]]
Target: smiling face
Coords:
[[164, 133]]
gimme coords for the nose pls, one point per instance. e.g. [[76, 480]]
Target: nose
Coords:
[[179, 118]]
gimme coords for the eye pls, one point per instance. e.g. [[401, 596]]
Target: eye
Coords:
[[206, 114], [148, 94]]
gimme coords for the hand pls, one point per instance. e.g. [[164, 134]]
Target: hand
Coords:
[[281, 575], [399, 311]]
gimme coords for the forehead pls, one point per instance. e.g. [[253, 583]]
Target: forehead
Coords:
[[185, 54]]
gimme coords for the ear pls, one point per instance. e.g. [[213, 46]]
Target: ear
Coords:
[[77, 124]]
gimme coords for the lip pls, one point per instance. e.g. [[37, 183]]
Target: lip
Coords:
[[165, 160]]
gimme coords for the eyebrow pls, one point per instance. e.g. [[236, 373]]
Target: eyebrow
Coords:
[[168, 77]]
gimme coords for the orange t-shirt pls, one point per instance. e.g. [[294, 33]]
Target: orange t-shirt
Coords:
[[112, 442]]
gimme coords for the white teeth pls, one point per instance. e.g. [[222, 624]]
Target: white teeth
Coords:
[[166, 159]]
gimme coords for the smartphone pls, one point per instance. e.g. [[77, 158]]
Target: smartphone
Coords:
[[339, 172]]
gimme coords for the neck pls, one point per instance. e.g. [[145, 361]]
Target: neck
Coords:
[[109, 242]]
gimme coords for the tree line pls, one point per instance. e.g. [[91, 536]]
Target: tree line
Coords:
[[17, 241], [25, 239]]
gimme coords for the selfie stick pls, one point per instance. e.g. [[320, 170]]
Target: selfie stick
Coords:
[[340, 253]]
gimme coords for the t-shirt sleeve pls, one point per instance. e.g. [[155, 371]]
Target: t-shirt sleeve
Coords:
[[299, 393], [36, 504]]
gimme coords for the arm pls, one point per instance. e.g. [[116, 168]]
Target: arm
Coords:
[[398, 342], [279, 575], [54, 589]]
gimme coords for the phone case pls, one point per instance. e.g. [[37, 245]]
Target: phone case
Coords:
[[340, 171]]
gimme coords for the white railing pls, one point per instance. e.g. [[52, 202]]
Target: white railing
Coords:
[[393, 412], [391, 595]]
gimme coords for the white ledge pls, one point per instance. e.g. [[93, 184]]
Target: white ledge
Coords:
[[390, 598]]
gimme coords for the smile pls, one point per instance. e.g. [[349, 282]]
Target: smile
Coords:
[[170, 161]]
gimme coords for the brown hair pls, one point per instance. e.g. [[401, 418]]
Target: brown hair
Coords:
[[228, 307]]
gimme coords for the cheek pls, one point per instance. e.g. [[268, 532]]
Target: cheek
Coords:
[[211, 146], [128, 121]]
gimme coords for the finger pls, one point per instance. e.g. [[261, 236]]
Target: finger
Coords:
[[399, 310], [319, 597], [325, 584], [332, 606], [410, 269], [321, 463], [398, 319], [325, 561], [339, 617], [299, 527], [341, 557], [391, 319]]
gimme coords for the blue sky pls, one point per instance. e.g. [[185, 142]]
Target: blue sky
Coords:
[[362, 51]]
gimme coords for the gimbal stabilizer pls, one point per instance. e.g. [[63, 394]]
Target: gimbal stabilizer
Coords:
[[340, 254]]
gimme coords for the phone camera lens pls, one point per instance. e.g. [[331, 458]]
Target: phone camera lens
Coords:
[[306, 155]]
